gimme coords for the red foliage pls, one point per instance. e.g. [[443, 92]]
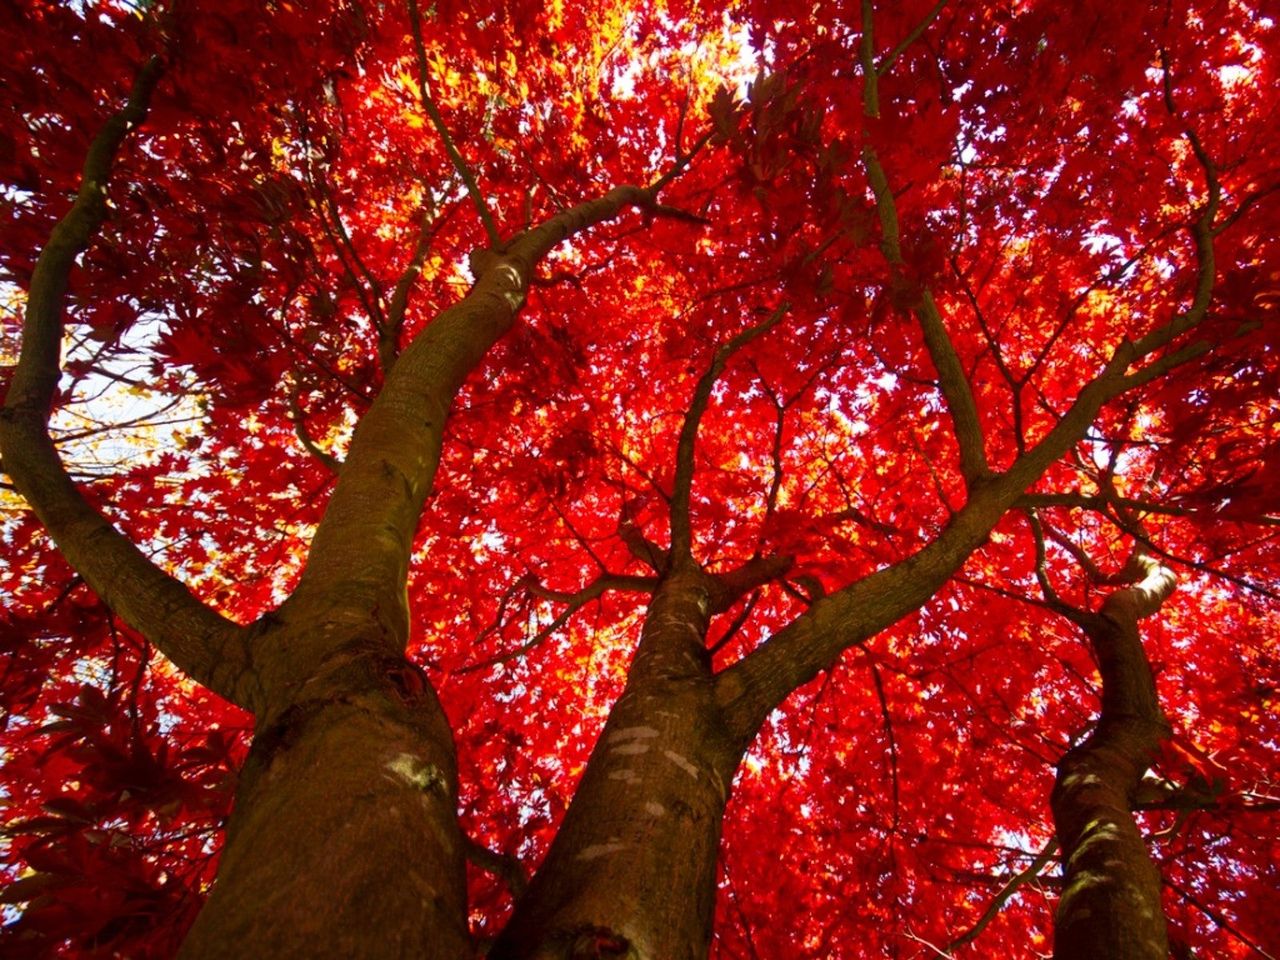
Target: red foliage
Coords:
[[1043, 162]]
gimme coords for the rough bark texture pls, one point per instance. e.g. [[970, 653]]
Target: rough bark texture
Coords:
[[344, 841], [1110, 905], [646, 819]]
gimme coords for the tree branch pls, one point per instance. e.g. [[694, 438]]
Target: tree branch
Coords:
[[1102, 504], [455, 157], [1051, 598], [1218, 919], [888, 60], [389, 336], [203, 644], [359, 558], [893, 744], [952, 380], [749, 689], [735, 625], [640, 546], [1016, 883], [504, 866], [1155, 548], [681, 527], [1111, 888], [681, 163], [331, 463], [725, 588], [341, 241], [574, 602]]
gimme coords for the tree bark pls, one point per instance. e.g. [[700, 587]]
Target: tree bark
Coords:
[[1110, 906], [344, 841], [632, 871]]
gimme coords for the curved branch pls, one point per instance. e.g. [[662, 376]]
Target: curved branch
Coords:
[[574, 602], [1111, 893], [681, 527], [724, 589], [952, 380], [1112, 506], [505, 866], [735, 625], [433, 111], [203, 644], [330, 462], [1016, 883], [1051, 599], [1208, 568]]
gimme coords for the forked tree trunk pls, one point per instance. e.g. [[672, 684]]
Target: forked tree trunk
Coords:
[[344, 840], [632, 871], [1111, 904]]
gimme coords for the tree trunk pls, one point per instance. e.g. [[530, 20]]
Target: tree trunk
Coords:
[[632, 871], [344, 840], [1111, 905]]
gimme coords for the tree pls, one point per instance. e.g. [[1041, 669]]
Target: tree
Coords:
[[708, 469]]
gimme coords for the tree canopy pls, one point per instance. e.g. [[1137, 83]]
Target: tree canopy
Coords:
[[870, 411]]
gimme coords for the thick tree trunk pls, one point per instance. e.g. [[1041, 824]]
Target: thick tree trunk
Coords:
[[344, 840], [632, 871], [1111, 905]]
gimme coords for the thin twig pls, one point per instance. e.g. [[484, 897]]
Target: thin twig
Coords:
[[887, 61], [1016, 882], [1218, 919], [893, 742], [681, 527], [575, 602], [732, 630], [429, 104]]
